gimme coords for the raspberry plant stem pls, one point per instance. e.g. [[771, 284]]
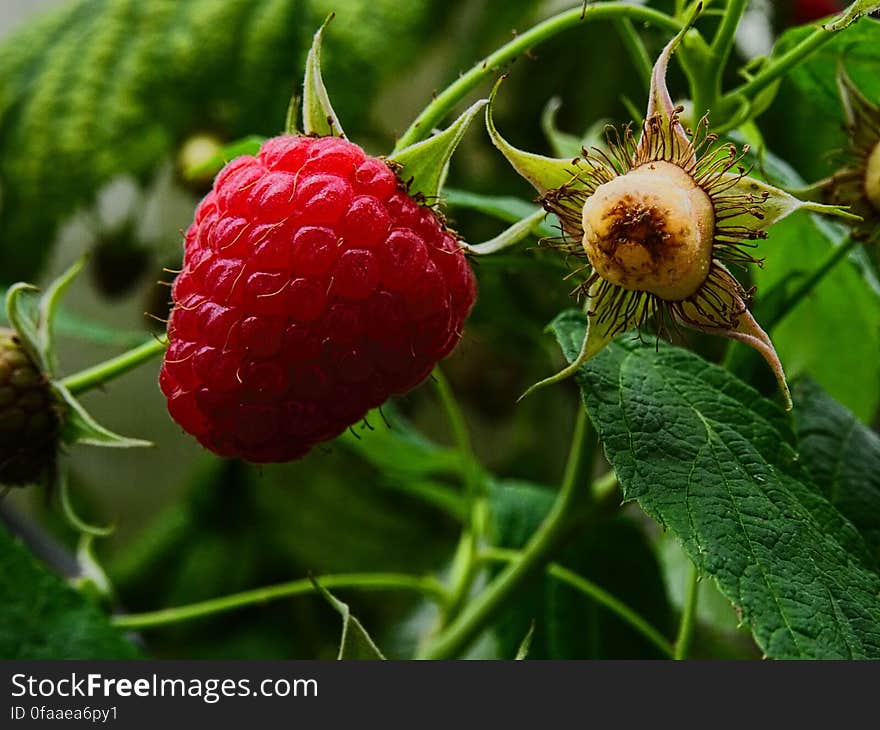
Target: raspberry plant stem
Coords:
[[443, 104], [111, 369], [722, 43], [427, 586], [595, 593], [477, 614], [776, 69], [634, 45], [688, 615], [464, 562]]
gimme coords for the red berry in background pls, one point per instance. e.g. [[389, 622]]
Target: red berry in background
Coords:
[[313, 288], [807, 11]]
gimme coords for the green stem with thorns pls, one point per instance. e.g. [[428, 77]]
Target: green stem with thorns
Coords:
[[443, 104]]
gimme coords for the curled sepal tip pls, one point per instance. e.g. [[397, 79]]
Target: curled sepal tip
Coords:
[[544, 173], [724, 294], [424, 164], [319, 118], [662, 113], [74, 520]]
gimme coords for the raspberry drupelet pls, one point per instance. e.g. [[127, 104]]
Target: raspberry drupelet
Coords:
[[313, 288]]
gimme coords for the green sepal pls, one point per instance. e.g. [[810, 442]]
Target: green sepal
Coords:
[[291, 126], [774, 203], [319, 118], [544, 173], [33, 318], [856, 10], [526, 644], [426, 163], [249, 145], [355, 643], [48, 308], [21, 313], [509, 236], [80, 428], [602, 328]]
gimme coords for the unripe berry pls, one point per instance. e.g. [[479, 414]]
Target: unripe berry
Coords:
[[651, 230], [29, 421]]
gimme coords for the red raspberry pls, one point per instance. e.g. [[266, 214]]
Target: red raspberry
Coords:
[[313, 288]]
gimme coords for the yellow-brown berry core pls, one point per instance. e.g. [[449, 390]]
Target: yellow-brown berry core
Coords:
[[651, 230], [872, 177]]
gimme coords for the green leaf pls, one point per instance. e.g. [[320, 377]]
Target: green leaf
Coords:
[[407, 461], [355, 643], [568, 625], [426, 163], [833, 335], [505, 208], [249, 145], [715, 464], [810, 91], [80, 428], [43, 618], [843, 457], [318, 114]]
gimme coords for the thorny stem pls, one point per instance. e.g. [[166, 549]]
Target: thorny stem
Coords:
[[688, 615], [111, 369], [477, 614], [443, 103], [596, 593], [776, 69], [428, 586]]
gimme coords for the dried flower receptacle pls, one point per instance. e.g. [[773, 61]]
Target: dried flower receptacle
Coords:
[[655, 221]]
